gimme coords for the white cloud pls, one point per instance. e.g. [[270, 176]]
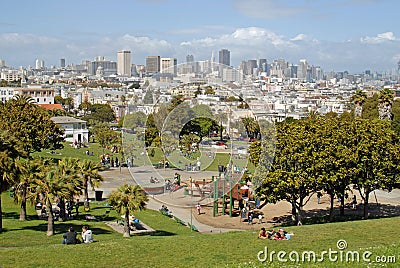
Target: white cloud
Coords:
[[244, 44], [16, 39], [380, 38]]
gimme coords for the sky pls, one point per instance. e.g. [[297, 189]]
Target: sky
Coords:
[[339, 35]]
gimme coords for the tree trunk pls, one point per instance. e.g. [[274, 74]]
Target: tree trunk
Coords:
[[126, 224], [342, 202], [294, 212], [332, 195], [299, 216], [63, 215], [366, 203], [50, 220], [22, 212], [1, 215], [86, 193]]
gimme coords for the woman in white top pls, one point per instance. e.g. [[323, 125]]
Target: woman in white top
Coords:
[[87, 236]]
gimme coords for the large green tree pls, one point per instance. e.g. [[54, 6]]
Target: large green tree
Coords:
[[30, 124], [292, 176], [377, 158], [101, 113]]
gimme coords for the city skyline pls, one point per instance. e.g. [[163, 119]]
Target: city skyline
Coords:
[[345, 35]]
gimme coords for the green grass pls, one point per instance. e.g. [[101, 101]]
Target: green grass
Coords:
[[80, 153], [25, 244]]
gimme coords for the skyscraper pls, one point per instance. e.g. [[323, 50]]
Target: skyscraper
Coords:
[[224, 57], [168, 66], [62, 63], [124, 62], [39, 64], [153, 64], [189, 58]]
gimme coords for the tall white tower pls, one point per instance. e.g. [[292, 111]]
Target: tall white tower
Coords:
[[212, 61], [124, 62], [39, 64]]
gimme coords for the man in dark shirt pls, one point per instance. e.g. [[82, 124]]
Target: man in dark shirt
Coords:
[[70, 237]]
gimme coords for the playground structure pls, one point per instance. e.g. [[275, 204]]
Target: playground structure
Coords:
[[223, 190]]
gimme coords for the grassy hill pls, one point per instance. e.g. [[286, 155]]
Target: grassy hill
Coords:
[[25, 244]]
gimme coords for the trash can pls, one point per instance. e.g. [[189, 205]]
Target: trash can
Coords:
[[99, 195], [220, 168], [185, 191]]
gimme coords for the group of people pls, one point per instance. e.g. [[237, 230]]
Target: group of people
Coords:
[[166, 210], [71, 237], [274, 235]]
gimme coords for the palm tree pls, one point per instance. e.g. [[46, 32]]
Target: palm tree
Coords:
[[385, 104], [127, 199], [47, 189], [30, 170], [252, 127], [358, 98], [89, 172], [10, 149], [66, 170]]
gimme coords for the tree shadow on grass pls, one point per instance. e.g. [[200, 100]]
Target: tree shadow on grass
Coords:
[[10, 215], [62, 227], [320, 216], [155, 233]]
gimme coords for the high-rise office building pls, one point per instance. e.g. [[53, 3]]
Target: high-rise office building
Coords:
[[189, 58], [251, 66], [124, 62], [39, 64], [153, 64], [262, 65], [168, 65], [224, 57], [62, 63]]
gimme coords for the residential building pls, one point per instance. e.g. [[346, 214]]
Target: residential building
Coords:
[[75, 130], [41, 95]]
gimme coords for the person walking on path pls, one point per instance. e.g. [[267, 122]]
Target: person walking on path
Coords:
[[354, 203], [198, 208]]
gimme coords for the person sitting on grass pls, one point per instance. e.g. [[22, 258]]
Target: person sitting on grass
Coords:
[[87, 235], [69, 238], [278, 236], [262, 234]]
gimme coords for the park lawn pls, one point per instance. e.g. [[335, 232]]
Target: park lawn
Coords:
[[25, 244], [69, 151]]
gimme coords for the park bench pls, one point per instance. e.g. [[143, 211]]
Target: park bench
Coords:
[[179, 220], [192, 227], [164, 212]]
